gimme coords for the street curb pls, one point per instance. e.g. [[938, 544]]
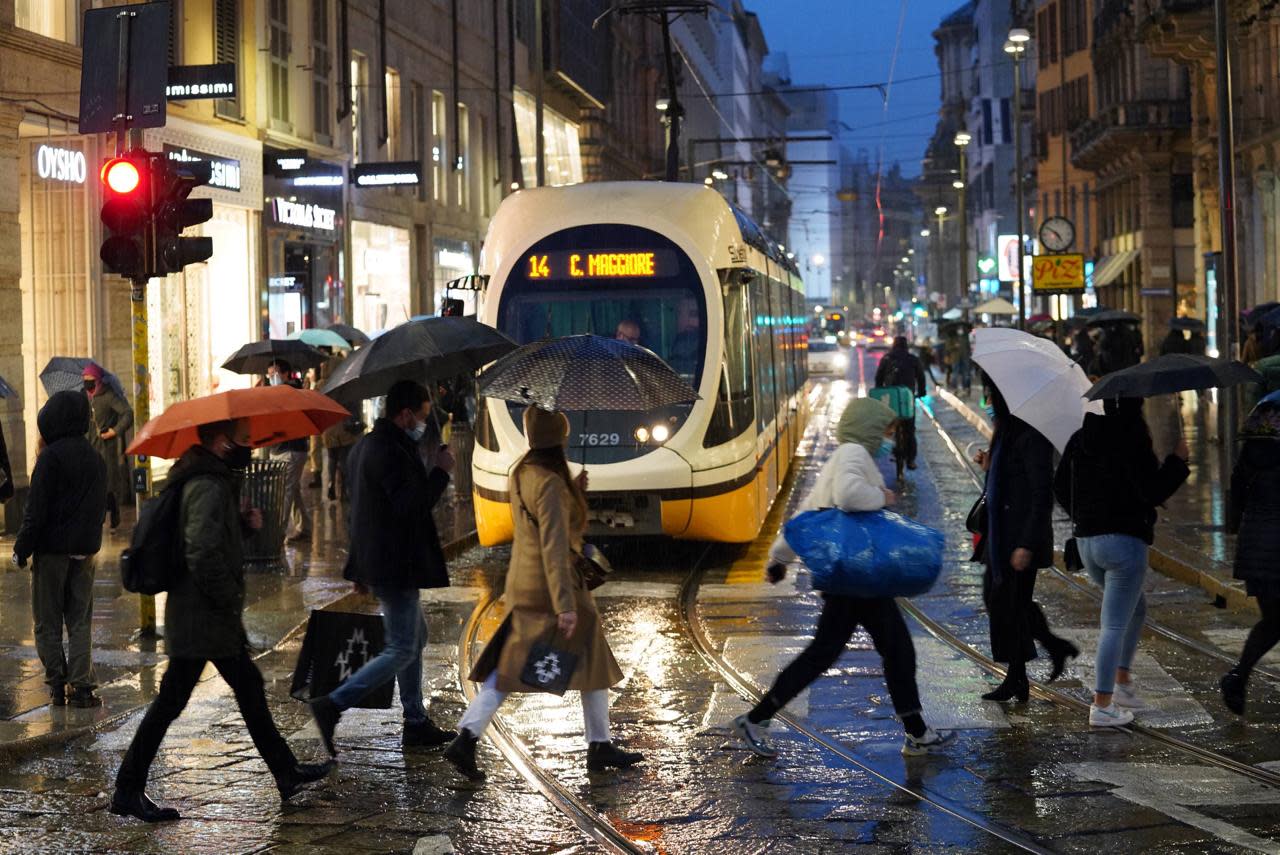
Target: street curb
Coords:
[[19, 749], [1160, 560]]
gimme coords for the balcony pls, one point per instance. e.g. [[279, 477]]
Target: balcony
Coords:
[[1124, 127], [1181, 30]]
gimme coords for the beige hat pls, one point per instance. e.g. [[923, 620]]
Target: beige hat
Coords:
[[544, 429]]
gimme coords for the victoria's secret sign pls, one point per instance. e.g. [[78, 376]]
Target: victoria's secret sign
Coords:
[[304, 215]]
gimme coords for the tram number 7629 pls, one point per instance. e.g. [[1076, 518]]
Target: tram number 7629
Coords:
[[597, 439]]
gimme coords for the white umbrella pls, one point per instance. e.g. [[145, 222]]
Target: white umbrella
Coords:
[[1040, 383], [953, 314], [997, 306]]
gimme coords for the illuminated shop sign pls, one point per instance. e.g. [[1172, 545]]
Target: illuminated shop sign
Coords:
[[602, 264], [187, 82], [304, 215], [61, 164], [406, 173], [224, 171]]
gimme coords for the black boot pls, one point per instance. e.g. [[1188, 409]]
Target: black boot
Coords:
[[300, 774], [326, 716], [426, 735], [84, 699], [1015, 685], [113, 508], [1233, 685], [1060, 654], [58, 695], [462, 754], [125, 803], [604, 755]]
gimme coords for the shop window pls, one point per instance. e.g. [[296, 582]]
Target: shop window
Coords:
[[418, 127], [561, 149], [437, 146], [486, 179], [359, 79], [57, 19], [395, 138], [462, 161], [380, 276], [278, 49], [226, 48], [321, 67]]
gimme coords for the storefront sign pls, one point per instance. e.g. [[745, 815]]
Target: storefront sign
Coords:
[[405, 173], [1007, 258], [1057, 273], [583, 264], [61, 164], [187, 82], [304, 215], [224, 172]]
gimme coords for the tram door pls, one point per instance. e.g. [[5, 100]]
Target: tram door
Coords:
[[766, 393]]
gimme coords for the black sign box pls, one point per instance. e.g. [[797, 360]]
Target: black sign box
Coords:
[[148, 56], [395, 173], [189, 82]]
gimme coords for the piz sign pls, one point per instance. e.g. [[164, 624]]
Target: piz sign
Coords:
[[1063, 272]]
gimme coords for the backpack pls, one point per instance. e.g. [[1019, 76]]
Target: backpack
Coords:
[[155, 558]]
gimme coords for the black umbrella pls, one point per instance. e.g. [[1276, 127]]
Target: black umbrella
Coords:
[[1191, 324], [586, 372], [1171, 373], [7, 391], [66, 374], [350, 333], [1113, 316], [421, 350], [1252, 316], [256, 356], [1092, 311]]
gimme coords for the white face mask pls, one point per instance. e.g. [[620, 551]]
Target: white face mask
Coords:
[[418, 430], [275, 380]]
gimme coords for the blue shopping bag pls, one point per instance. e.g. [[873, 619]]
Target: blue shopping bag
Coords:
[[866, 553]]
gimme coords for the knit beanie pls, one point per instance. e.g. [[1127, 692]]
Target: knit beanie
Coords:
[[93, 370], [544, 429]]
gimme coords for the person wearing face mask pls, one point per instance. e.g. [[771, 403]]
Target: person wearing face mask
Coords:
[[112, 418], [203, 622], [850, 481], [293, 454], [395, 552]]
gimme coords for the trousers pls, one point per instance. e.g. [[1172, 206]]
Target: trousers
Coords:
[[62, 595], [179, 681], [295, 504], [400, 659], [1016, 620], [1263, 636], [841, 616], [1117, 562], [481, 710]]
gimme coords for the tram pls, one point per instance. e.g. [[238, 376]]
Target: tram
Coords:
[[674, 268]]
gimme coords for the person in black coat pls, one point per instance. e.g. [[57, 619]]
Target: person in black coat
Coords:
[[395, 551], [62, 528], [901, 367], [1018, 540], [1255, 507]]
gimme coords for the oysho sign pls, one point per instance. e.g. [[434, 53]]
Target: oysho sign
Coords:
[[304, 215], [61, 164], [224, 172]]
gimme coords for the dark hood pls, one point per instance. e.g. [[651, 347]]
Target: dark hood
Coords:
[[198, 460], [64, 414]]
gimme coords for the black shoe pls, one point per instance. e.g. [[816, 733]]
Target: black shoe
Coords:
[[426, 735], [113, 509], [332, 493], [1060, 655], [1012, 687], [58, 696], [84, 699], [300, 775], [462, 754], [1233, 685], [326, 716], [911, 464], [605, 755], [138, 805]]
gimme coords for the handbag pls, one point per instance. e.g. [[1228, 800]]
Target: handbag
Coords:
[[866, 553], [976, 521], [548, 668], [337, 645]]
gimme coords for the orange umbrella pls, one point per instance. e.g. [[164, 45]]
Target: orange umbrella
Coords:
[[275, 414]]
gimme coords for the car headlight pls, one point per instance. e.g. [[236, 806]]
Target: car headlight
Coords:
[[642, 434], [841, 361], [660, 433]]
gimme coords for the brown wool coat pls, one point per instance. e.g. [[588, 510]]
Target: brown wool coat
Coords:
[[542, 583]]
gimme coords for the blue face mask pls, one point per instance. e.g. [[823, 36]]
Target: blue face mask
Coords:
[[991, 412], [416, 432], [883, 451]]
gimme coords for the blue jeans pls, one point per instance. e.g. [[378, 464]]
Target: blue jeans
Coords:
[[1117, 562], [400, 659]]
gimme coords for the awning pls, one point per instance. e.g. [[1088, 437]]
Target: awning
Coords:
[[468, 283], [1109, 269]]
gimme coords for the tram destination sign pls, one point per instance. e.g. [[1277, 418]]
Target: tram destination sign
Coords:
[[602, 264]]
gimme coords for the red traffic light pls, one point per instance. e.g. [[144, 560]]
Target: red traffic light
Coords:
[[121, 175]]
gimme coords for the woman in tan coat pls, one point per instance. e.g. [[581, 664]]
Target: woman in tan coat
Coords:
[[547, 601]]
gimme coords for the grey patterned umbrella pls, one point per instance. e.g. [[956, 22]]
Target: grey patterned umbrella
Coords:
[[422, 350], [586, 372], [66, 374]]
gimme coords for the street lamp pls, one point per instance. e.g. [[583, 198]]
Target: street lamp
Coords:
[[962, 141], [941, 213], [1016, 46]]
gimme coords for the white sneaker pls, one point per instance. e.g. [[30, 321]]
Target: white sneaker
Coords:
[[1126, 697], [914, 746], [756, 736], [1108, 716]]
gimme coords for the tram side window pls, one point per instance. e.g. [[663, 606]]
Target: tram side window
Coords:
[[789, 328], [735, 403], [763, 337], [782, 339]]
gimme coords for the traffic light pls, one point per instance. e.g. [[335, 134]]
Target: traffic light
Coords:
[[173, 212], [126, 214]]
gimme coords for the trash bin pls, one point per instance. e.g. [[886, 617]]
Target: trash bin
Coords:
[[263, 488]]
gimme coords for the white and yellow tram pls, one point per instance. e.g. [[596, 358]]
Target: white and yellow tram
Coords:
[[681, 272]]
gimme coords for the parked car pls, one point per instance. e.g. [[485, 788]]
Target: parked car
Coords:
[[827, 358], [878, 339]]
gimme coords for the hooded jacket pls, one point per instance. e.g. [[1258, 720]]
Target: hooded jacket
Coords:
[[1110, 481], [68, 498], [850, 479]]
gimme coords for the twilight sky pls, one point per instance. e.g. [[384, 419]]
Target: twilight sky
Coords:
[[842, 42]]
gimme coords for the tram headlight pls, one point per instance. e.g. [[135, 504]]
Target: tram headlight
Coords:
[[642, 434], [661, 433], [841, 361]]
